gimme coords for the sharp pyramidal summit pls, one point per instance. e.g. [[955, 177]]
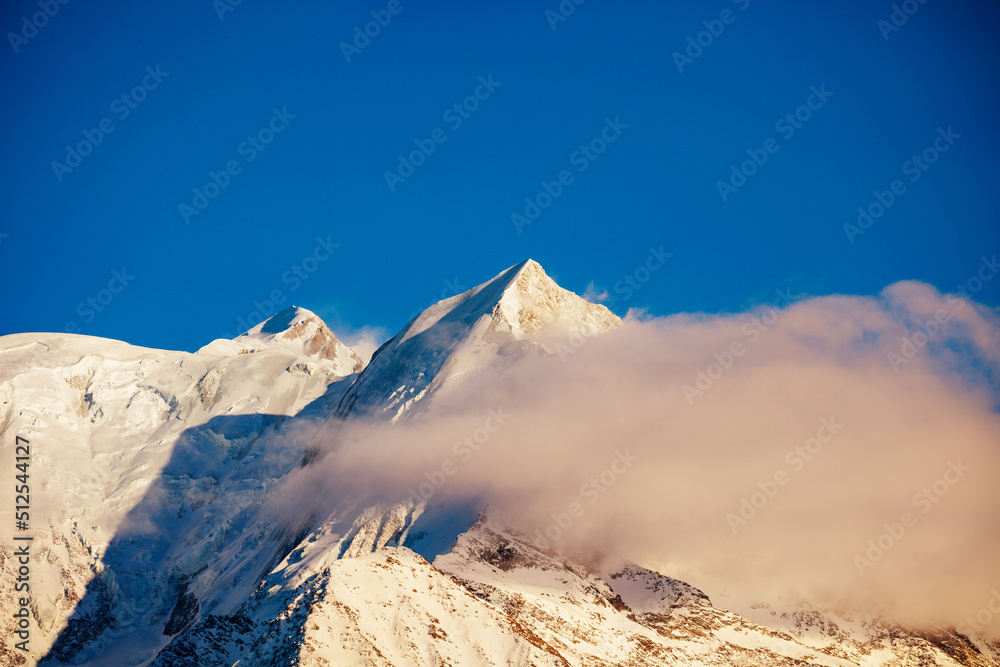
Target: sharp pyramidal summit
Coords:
[[162, 545]]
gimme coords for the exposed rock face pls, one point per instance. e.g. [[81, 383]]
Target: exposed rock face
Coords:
[[302, 332], [533, 302]]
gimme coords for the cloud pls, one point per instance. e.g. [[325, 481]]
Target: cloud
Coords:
[[595, 294], [844, 447], [364, 341]]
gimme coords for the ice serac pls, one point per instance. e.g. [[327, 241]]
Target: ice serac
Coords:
[[470, 338]]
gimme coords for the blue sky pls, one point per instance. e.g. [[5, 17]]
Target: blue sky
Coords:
[[328, 130]]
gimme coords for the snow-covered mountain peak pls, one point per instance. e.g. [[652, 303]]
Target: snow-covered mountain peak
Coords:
[[295, 330], [457, 342], [520, 301], [284, 320], [175, 524], [532, 301], [292, 323]]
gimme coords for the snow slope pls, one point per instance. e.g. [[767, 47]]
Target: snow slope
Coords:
[[124, 437], [470, 338], [295, 330], [151, 469]]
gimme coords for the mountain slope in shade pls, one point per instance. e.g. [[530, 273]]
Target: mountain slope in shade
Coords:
[[138, 455], [152, 468]]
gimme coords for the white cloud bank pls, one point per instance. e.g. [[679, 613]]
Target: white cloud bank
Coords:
[[845, 447]]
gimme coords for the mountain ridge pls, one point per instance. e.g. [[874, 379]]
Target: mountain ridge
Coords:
[[463, 333], [156, 546]]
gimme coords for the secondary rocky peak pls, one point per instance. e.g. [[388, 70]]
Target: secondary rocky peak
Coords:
[[304, 332], [285, 320]]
